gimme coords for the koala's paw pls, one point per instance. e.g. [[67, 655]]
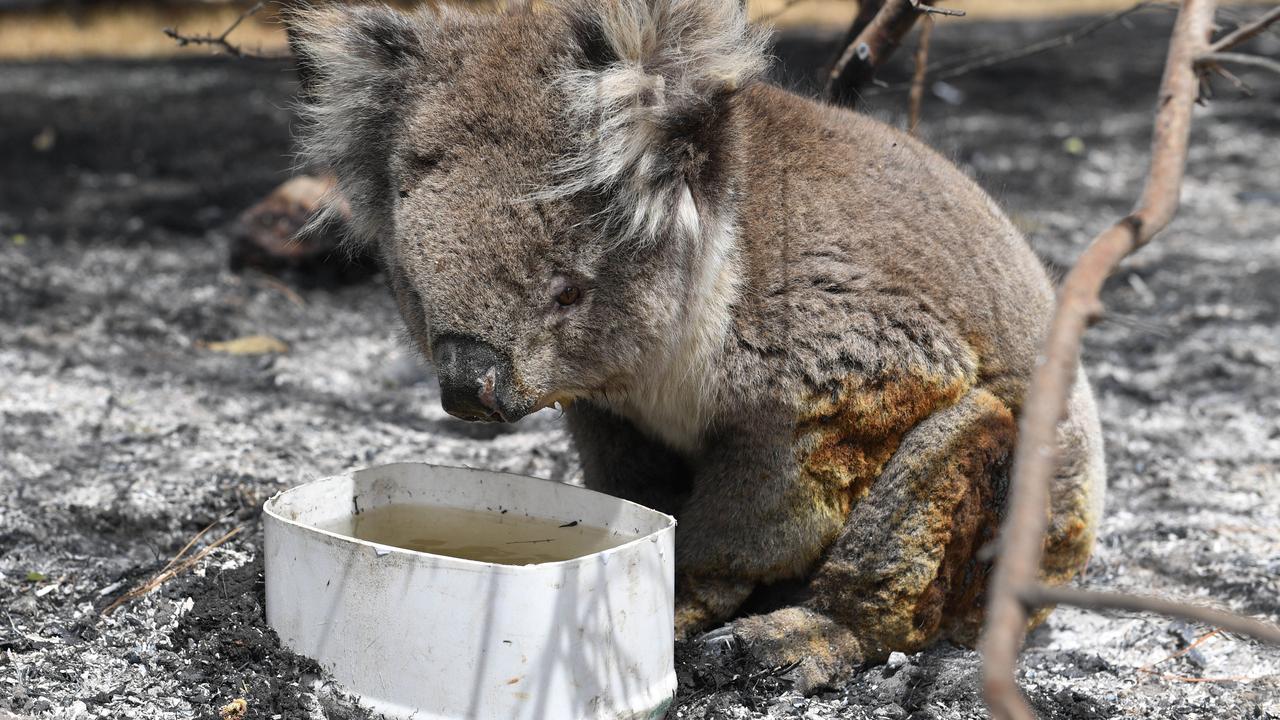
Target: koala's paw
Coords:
[[705, 601], [806, 648], [719, 643]]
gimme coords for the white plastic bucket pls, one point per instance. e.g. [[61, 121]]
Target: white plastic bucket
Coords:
[[431, 637]]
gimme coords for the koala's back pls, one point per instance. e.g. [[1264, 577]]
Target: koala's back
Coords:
[[846, 221]]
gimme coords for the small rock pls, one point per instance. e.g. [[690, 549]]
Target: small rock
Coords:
[[892, 710], [199, 695]]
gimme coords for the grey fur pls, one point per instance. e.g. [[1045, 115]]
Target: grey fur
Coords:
[[802, 331]]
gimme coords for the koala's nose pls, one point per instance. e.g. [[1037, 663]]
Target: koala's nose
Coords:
[[473, 378]]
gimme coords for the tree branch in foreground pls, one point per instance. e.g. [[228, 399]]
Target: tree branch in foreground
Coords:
[[1245, 33], [1043, 596], [1230, 58], [1218, 53], [1022, 535]]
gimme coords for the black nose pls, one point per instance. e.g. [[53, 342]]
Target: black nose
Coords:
[[473, 378]]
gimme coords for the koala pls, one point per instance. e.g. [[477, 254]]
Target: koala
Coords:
[[800, 331]]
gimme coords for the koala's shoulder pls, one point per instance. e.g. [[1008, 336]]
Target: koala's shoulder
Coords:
[[866, 252]]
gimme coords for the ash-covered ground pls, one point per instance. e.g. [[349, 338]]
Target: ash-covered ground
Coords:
[[123, 431]]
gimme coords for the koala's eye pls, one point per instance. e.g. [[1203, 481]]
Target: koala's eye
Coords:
[[569, 296]]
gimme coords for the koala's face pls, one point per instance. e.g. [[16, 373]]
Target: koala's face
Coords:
[[539, 243], [515, 294]]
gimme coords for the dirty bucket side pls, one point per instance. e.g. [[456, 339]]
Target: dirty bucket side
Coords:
[[446, 638]]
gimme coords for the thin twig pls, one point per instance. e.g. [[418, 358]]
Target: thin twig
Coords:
[[917, 79], [927, 9], [221, 40], [986, 60], [1216, 58], [1043, 596], [289, 293], [1189, 679], [171, 570], [190, 544], [1235, 81], [1245, 33], [983, 60], [1149, 668], [774, 671], [1022, 536]]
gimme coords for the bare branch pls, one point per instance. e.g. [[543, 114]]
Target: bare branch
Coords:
[[1149, 668], [1218, 58], [1245, 33], [986, 60], [221, 40], [921, 6], [1023, 532], [1041, 596], [872, 45], [1237, 82], [856, 63], [917, 79]]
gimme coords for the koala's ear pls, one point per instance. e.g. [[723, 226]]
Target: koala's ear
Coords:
[[356, 65], [649, 85]]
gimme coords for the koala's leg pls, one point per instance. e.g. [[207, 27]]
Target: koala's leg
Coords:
[[620, 460], [902, 571], [752, 518]]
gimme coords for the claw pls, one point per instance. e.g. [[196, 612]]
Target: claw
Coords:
[[720, 641]]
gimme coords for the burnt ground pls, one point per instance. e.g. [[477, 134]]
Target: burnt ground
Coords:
[[124, 433]]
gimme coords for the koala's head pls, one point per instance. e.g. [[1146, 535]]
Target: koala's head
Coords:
[[551, 191]]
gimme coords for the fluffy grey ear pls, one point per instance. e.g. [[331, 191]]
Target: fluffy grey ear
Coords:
[[648, 88], [357, 65]]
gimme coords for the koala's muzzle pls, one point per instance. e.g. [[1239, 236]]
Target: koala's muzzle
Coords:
[[475, 380]]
